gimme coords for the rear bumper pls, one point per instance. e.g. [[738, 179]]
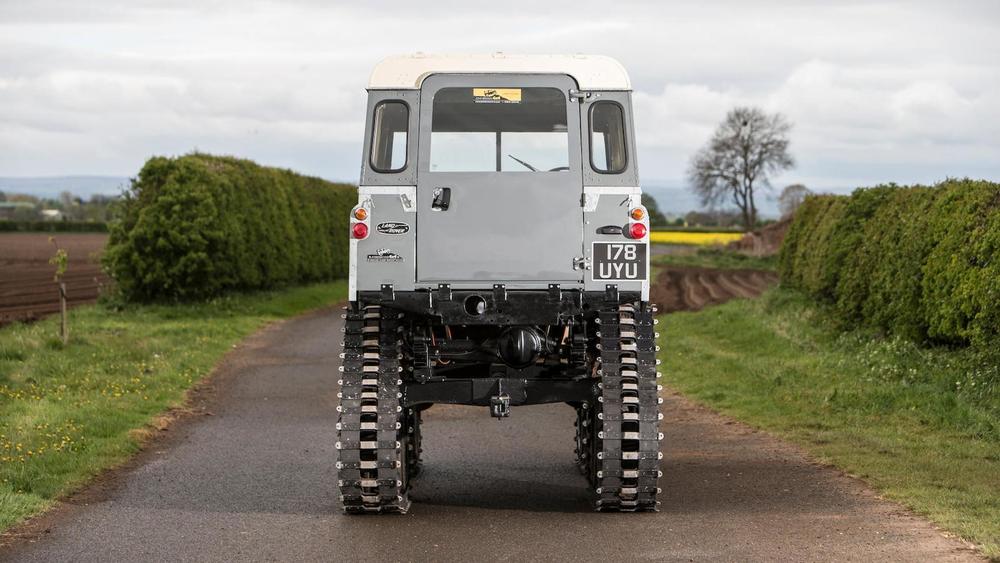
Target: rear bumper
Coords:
[[500, 306]]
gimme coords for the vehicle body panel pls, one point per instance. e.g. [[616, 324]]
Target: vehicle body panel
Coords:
[[501, 226], [522, 230]]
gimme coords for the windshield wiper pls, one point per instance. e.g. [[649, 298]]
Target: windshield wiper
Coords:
[[523, 163]]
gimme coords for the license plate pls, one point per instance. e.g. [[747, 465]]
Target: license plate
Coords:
[[619, 261]]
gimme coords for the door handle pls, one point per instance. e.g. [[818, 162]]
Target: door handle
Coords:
[[442, 199]]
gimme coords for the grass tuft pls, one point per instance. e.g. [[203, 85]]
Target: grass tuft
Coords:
[[11, 354], [921, 425], [68, 413], [716, 257]]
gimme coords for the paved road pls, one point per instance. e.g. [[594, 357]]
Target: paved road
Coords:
[[255, 481]]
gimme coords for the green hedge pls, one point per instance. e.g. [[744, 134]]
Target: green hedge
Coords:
[[53, 227], [921, 262], [199, 225]]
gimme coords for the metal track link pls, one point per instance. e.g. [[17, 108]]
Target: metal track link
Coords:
[[371, 430], [413, 443], [624, 424]]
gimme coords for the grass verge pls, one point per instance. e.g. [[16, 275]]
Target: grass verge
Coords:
[[921, 425], [68, 413], [717, 258]]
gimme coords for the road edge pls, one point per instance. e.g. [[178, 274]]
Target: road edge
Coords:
[[162, 430]]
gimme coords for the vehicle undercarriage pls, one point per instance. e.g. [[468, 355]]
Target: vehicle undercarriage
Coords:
[[596, 352]]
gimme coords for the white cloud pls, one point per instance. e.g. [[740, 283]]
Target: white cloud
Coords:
[[877, 91]]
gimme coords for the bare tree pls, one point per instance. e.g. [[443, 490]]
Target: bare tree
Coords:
[[791, 198], [747, 147]]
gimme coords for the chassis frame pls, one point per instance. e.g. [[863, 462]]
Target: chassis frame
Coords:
[[482, 384]]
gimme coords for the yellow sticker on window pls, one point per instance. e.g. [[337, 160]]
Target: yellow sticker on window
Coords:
[[497, 95]]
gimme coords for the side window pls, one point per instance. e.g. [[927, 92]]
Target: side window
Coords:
[[607, 138], [389, 125]]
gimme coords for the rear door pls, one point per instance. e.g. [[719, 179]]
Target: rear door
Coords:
[[499, 183]]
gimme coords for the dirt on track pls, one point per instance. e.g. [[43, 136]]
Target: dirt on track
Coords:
[[687, 288], [27, 289]]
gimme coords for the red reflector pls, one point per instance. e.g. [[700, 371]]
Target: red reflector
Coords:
[[637, 230], [360, 230]]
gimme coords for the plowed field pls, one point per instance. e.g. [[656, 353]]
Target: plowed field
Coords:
[[685, 288], [27, 289], [28, 292]]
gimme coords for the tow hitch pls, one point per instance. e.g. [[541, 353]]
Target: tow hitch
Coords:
[[500, 406]]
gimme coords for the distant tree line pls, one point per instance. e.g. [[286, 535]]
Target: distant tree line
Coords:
[[67, 207], [52, 227], [713, 218], [656, 217], [717, 217]]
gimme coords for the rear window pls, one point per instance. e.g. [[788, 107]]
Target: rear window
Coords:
[[389, 124], [607, 138], [499, 130]]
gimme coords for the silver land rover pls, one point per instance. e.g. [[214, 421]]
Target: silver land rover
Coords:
[[499, 257]]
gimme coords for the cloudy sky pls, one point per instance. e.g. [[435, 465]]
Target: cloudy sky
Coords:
[[877, 91]]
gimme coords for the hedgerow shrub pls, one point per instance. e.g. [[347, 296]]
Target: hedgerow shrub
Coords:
[[794, 254], [920, 262], [816, 263], [813, 209], [882, 281], [961, 284], [845, 236], [200, 225]]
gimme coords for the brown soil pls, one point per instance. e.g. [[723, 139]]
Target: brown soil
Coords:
[[27, 289], [683, 288], [763, 242]]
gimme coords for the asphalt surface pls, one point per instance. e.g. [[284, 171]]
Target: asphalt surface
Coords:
[[255, 481]]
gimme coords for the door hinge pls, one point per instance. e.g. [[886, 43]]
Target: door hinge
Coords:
[[406, 202], [581, 263], [578, 95]]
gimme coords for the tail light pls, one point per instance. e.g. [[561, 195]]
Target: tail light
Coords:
[[361, 214], [637, 230], [637, 214], [359, 230]]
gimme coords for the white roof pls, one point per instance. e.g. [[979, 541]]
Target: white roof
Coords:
[[406, 72]]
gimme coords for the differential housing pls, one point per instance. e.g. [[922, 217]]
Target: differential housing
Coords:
[[519, 346]]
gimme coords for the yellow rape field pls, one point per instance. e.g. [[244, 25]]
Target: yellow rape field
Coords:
[[688, 237]]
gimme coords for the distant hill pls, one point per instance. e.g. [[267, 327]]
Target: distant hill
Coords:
[[672, 201], [51, 187]]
